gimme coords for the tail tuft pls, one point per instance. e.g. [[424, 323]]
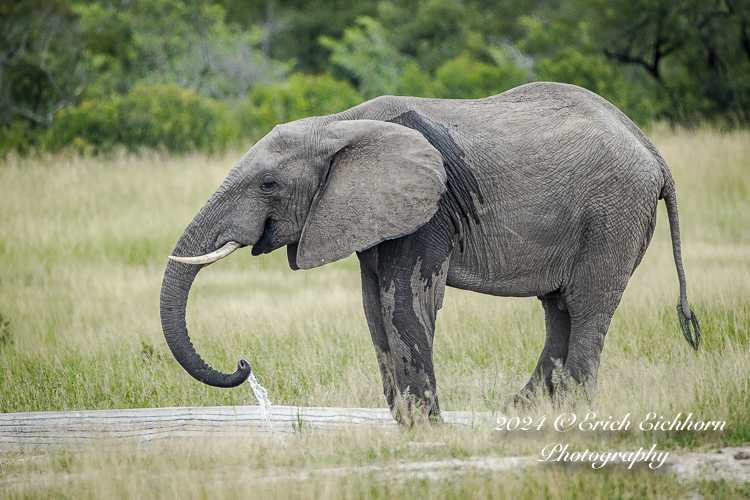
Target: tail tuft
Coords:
[[693, 339]]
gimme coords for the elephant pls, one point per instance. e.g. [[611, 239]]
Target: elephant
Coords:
[[546, 190]]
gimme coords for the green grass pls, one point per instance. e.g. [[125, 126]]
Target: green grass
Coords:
[[83, 244]]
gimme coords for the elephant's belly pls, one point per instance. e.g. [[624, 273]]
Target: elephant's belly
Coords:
[[529, 258], [510, 276]]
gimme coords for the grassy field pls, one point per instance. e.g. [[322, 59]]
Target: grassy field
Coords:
[[83, 245]]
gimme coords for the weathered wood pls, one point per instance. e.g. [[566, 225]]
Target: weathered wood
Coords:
[[45, 429]]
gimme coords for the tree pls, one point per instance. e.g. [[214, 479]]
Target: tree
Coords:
[[697, 50], [39, 60], [292, 27], [366, 53], [173, 41]]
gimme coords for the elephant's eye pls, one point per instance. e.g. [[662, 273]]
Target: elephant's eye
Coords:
[[268, 185]]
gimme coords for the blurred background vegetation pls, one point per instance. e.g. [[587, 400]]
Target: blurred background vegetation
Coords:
[[101, 75]]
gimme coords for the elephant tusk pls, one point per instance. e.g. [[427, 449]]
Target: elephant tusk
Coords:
[[209, 257]]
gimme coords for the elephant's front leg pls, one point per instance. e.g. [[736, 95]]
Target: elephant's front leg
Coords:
[[373, 313], [411, 285]]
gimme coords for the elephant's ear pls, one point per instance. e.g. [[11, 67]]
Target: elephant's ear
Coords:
[[384, 181]]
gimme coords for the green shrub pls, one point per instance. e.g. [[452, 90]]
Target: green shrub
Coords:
[[366, 53], [150, 116], [415, 82], [19, 136], [298, 97], [466, 78]]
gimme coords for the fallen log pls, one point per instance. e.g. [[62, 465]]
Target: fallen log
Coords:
[[63, 428]]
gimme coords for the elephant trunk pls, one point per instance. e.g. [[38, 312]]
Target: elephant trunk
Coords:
[[178, 278]]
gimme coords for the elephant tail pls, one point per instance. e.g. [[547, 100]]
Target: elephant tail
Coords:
[[687, 318]]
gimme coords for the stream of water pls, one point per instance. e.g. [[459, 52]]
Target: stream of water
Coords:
[[261, 394]]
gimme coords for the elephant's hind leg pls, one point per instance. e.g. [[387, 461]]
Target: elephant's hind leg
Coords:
[[554, 354], [592, 302], [611, 246], [587, 335]]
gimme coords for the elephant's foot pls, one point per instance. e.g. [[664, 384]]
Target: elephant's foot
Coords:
[[540, 388], [528, 399], [519, 403], [411, 412], [572, 390], [560, 388], [564, 396]]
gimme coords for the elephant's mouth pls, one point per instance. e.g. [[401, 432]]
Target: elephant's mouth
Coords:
[[268, 241]]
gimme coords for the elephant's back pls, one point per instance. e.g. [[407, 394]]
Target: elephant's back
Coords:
[[528, 125]]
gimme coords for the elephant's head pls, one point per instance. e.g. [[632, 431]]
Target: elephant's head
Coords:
[[323, 189]]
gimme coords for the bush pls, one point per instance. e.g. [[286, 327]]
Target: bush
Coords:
[[181, 120], [150, 116], [298, 97], [19, 136], [466, 78], [415, 82]]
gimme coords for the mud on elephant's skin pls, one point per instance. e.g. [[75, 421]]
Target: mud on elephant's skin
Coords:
[[546, 190]]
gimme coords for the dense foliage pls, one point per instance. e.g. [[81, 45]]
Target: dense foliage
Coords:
[[97, 75]]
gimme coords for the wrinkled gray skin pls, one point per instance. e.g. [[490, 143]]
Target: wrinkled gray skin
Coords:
[[546, 190]]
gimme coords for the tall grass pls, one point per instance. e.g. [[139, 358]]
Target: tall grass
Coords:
[[83, 244]]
